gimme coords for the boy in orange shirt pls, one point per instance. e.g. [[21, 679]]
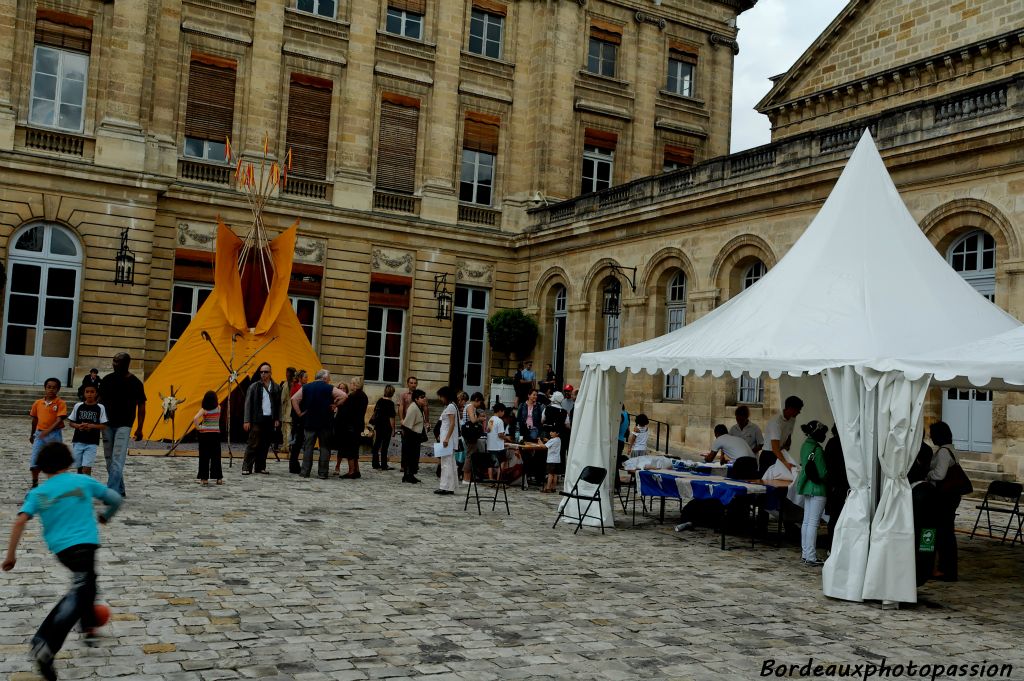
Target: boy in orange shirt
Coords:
[[47, 421]]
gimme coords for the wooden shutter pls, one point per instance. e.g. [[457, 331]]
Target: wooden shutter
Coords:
[[680, 155], [211, 98], [481, 132], [606, 31], [683, 51], [309, 125], [600, 139], [396, 143], [60, 29], [414, 6], [490, 7]]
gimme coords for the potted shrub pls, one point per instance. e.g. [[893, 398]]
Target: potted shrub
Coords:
[[512, 332]]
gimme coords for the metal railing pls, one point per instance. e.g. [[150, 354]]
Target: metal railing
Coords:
[[657, 435]]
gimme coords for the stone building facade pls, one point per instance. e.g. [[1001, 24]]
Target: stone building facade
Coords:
[[421, 132], [941, 87]]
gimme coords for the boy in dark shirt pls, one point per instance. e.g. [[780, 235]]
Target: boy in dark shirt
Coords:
[[89, 419], [65, 504]]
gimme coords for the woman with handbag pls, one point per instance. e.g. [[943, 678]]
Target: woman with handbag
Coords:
[[811, 486], [383, 422], [950, 483], [472, 430], [414, 434]]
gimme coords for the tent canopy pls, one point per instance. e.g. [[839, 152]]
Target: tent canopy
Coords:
[[861, 284]]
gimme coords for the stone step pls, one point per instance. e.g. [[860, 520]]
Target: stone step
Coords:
[[17, 400], [987, 466]]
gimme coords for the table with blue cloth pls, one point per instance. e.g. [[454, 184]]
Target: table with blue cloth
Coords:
[[671, 484]]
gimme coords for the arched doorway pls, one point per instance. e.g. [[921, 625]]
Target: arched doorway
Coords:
[[969, 412], [560, 314], [44, 273]]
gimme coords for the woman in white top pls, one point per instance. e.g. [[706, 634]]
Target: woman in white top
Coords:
[[638, 439], [448, 439], [945, 504]]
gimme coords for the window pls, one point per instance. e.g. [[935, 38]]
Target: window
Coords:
[[561, 316], [384, 342], [682, 65], [603, 47], [750, 389], [186, 299], [309, 125], [974, 257], [486, 28], [405, 18], [611, 332], [675, 318], [58, 88], [479, 146], [611, 295], [305, 310], [396, 147], [324, 8], [210, 111], [597, 169], [677, 157]]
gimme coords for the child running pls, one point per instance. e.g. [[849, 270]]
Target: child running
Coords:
[[554, 445], [87, 419], [47, 422], [64, 503], [207, 422]]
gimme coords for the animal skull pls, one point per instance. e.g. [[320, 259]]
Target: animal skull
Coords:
[[169, 405]]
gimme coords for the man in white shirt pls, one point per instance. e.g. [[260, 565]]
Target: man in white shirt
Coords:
[[777, 438], [747, 430], [731, 447]]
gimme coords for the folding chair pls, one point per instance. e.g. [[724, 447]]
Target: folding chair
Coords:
[[500, 485], [1007, 497], [592, 475]]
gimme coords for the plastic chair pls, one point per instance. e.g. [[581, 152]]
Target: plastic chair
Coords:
[[592, 475], [1007, 496]]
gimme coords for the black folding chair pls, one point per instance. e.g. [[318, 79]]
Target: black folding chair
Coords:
[[500, 485], [1000, 497], [592, 475]]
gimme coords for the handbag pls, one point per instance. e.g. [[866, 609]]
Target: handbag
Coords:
[[472, 431], [437, 430], [956, 483], [811, 470]]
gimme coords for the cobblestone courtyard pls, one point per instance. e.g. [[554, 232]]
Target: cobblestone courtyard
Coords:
[[277, 577]]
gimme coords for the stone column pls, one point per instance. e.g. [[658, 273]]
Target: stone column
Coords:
[[555, 121], [353, 186], [440, 201], [8, 21], [650, 55], [166, 90], [263, 89], [120, 141]]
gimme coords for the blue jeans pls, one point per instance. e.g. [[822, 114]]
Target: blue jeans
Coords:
[[115, 451], [41, 441]]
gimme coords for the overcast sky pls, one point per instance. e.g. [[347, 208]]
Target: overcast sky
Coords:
[[772, 36]]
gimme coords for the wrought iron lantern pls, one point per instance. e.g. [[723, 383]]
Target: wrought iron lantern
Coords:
[[124, 262], [612, 298], [445, 303]]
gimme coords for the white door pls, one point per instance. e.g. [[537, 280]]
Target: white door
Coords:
[[469, 339], [44, 273], [969, 412]]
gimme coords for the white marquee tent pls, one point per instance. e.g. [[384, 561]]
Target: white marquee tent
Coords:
[[862, 284]]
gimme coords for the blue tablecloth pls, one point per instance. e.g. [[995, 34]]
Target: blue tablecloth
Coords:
[[667, 484]]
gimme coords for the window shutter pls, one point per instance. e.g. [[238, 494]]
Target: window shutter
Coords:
[[60, 29], [680, 155], [600, 139], [414, 6], [481, 132], [490, 7], [606, 31], [211, 98], [683, 51], [396, 144], [309, 125]]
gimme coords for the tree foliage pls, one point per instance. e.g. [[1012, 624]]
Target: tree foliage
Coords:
[[512, 332]]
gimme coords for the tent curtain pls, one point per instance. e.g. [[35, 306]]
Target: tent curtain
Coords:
[[900, 402], [594, 432], [844, 571]]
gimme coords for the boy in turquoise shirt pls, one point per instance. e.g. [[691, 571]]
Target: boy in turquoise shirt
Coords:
[[64, 503]]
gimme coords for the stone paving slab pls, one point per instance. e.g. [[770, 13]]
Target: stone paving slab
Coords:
[[276, 577]]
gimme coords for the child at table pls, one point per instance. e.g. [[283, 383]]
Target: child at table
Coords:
[[554, 445], [496, 439], [638, 438]]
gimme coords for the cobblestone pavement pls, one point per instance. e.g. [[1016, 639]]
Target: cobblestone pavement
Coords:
[[276, 577]]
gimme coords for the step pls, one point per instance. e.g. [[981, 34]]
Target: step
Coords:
[[987, 466]]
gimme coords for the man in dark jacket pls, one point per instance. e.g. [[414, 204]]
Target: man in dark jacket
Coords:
[[261, 419]]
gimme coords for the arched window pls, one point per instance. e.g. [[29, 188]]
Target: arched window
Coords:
[[974, 257], [675, 318], [751, 389], [560, 313], [611, 297]]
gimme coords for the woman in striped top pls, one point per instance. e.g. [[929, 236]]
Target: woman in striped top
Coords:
[[207, 421]]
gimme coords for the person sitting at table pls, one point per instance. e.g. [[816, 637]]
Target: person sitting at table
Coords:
[[811, 485], [729, 447], [776, 463], [750, 432], [638, 438]]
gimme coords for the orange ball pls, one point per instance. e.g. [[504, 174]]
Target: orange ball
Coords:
[[102, 611]]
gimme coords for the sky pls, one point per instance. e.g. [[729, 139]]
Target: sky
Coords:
[[772, 37]]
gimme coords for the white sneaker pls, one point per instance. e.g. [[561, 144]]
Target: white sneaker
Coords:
[[683, 526], [464, 482]]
